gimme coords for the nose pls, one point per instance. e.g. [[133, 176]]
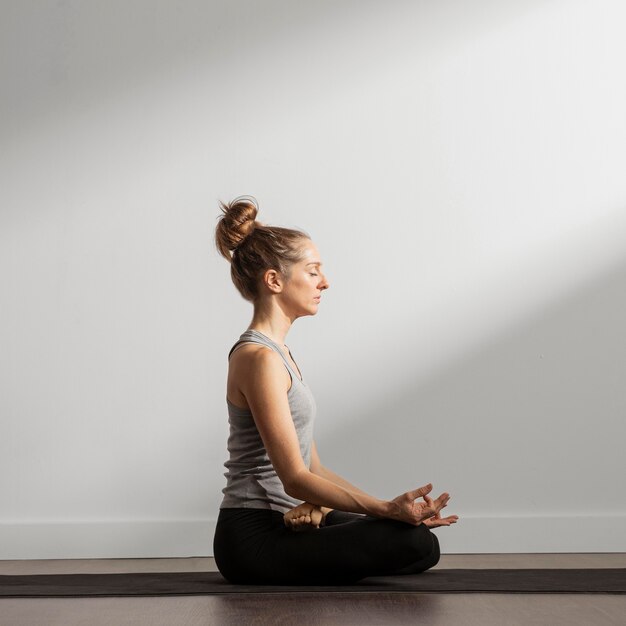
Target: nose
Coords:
[[324, 284]]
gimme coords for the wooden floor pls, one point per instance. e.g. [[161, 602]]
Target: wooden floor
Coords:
[[311, 609]]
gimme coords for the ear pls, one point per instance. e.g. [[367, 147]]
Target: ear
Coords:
[[273, 281]]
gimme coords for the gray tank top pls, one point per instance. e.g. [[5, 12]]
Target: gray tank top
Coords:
[[251, 481]]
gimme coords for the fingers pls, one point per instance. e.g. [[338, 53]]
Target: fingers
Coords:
[[302, 522], [410, 510], [429, 514], [298, 512], [297, 522], [441, 501], [446, 521], [420, 491], [293, 517], [435, 522]]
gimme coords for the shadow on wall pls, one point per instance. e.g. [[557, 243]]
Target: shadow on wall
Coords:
[[535, 413]]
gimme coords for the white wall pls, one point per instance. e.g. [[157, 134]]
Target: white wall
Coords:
[[460, 166]]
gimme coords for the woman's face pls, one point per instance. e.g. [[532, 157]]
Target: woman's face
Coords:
[[302, 292]]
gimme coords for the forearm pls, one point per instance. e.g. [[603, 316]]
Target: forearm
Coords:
[[324, 472], [322, 491]]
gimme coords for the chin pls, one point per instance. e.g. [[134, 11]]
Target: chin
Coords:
[[311, 309]]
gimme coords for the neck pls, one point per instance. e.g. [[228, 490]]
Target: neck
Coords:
[[274, 324]]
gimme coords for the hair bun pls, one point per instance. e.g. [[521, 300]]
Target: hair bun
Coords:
[[238, 221]]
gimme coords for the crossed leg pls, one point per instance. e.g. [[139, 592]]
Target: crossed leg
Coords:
[[420, 565], [253, 546]]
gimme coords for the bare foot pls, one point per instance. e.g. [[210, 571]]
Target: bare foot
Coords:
[[305, 515]]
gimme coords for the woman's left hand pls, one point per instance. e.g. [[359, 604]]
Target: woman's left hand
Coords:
[[436, 520], [304, 516]]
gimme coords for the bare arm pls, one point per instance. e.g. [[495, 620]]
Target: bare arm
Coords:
[[321, 470], [308, 514], [265, 385], [265, 390]]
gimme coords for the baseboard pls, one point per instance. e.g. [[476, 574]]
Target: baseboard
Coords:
[[107, 539], [535, 534], [187, 538]]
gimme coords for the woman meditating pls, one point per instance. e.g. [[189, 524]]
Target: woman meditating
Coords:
[[285, 518]]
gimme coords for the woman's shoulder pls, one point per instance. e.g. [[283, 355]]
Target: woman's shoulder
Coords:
[[251, 350], [253, 355], [254, 359]]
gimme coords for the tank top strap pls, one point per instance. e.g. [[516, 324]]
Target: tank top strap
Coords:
[[254, 336]]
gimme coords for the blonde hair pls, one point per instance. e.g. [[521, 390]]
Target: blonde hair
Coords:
[[251, 248]]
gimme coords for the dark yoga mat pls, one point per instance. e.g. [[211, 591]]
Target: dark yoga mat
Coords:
[[207, 583]]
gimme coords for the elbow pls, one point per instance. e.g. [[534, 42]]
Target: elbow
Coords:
[[294, 485]]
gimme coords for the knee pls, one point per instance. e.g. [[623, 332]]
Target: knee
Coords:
[[436, 553], [423, 543], [429, 554], [425, 546]]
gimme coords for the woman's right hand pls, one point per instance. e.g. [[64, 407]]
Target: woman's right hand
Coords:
[[406, 508]]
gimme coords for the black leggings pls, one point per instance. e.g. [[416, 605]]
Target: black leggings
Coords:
[[253, 546]]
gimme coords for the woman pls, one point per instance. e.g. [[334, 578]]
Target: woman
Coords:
[[285, 518]]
